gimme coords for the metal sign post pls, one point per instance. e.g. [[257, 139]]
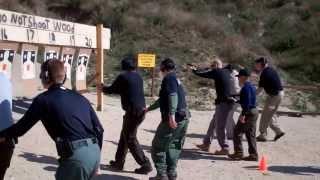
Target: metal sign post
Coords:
[[148, 61]]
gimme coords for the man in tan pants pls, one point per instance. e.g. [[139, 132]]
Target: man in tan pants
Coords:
[[271, 83]]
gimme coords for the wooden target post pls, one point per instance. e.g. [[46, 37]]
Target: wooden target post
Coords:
[[55, 35], [99, 67]]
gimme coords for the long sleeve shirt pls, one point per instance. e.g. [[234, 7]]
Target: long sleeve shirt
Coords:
[[64, 113], [5, 102], [247, 98], [222, 81], [129, 85]]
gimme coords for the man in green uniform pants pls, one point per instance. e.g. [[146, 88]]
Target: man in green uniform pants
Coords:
[[170, 134]]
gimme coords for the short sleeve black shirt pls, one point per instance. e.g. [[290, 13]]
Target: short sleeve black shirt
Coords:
[[170, 85]]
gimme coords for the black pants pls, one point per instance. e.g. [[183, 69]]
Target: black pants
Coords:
[[128, 138], [249, 129], [6, 151]]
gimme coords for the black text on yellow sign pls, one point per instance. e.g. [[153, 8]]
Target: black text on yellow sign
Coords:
[[146, 60]]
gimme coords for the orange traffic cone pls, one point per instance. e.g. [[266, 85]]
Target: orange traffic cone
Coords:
[[263, 167]]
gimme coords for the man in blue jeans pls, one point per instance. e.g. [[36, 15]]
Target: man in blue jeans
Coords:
[[224, 106], [6, 146]]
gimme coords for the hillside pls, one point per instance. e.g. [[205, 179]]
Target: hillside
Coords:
[[195, 30]]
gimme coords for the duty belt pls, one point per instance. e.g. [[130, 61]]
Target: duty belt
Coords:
[[66, 148], [83, 142]]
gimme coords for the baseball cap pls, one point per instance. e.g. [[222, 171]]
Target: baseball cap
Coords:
[[243, 72]]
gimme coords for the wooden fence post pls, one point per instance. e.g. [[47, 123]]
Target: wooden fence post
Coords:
[[99, 67]]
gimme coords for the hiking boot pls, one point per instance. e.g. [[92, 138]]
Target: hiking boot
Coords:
[[261, 139], [145, 169], [237, 156], [221, 152], [251, 157], [159, 177], [116, 165], [278, 136], [203, 147], [172, 177]]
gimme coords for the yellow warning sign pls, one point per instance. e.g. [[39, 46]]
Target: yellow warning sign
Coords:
[[146, 60]]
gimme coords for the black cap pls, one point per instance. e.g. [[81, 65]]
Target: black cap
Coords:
[[128, 63], [167, 64], [262, 60], [243, 72]]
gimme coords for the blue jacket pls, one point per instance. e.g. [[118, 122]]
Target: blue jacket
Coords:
[[247, 97]]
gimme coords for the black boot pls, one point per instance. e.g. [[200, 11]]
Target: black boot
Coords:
[[237, 156], [159, 177], [172, 177], [145, 169], [116, 165], [251, 157]]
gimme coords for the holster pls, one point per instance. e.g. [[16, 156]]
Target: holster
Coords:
[[182, 115], [64, 148]]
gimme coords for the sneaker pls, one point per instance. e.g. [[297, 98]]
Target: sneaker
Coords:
[[251, 157], [278, 136], [261, 139], [237, 156], [159, 177], [204, 147], [116, 165], [146, 169], [221, 152]]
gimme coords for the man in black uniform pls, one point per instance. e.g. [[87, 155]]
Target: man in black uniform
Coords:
[[129, 85], [170, 135], [224, 105], [271, 83], [69, 120]]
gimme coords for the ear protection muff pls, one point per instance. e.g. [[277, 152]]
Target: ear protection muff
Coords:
[[46, 74]]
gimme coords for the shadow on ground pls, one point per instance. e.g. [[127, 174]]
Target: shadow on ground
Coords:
[[112, 177], [52, 162], [53, 165], [192, 135], [187, 154], [293, 170], [21, 106]]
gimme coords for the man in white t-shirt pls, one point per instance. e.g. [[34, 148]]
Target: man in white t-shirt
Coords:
[[7, 146]]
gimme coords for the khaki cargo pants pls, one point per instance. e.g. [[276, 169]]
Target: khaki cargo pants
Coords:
[[268, 116]]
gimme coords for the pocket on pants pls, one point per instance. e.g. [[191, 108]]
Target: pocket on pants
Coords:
[[163, 136]]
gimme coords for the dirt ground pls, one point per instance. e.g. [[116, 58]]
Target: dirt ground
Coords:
[[296, 156]]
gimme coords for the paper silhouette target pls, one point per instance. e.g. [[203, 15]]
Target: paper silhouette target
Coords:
[[67, 60], [6, 59], [82, 64], [28, 64], [51, 54]]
